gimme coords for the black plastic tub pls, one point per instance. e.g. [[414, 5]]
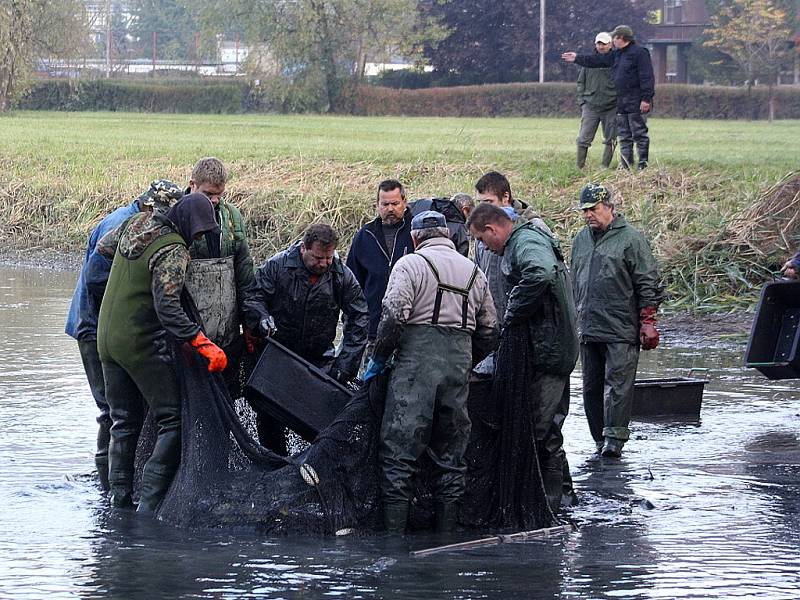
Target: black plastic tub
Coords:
[[774, 337], [667, 396], [295, 392]]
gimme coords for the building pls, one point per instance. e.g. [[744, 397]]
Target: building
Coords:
[[679, 23]]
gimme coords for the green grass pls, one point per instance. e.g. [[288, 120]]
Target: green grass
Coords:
[[61, 172]]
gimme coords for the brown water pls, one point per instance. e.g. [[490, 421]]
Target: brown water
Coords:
[[696, 509]]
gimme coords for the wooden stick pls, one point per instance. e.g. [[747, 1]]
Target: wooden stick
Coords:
[[521, 536]]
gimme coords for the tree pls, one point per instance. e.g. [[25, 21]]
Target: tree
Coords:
[[31, 29], [755, 34], [173, 25], [310, 48], [497, 40]]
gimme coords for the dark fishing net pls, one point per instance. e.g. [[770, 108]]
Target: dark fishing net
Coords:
[[226, 479]]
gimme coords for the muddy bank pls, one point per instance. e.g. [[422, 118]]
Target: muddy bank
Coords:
[[41, 258]]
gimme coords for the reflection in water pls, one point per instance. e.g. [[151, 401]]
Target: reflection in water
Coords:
[[699, 508]]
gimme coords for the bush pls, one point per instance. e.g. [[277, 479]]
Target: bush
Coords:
[[558, 99], [137, 96]]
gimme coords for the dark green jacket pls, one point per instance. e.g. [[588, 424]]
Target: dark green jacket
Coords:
[[232, 241], [541, 297], [615, 276], [596, 87]]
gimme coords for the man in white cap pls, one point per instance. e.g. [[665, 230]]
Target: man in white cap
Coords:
[[597, 98]]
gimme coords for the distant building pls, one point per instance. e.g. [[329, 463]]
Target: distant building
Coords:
[[679, 24]]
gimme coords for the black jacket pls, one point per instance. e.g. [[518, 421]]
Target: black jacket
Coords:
[[633, 74], [306, 314], [371, 262]]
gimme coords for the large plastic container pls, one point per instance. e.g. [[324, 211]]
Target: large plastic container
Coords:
[[667, 396], [773, 344], [295, 392]]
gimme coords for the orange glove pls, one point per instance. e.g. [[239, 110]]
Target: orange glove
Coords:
[[648, 334], [217, 361]]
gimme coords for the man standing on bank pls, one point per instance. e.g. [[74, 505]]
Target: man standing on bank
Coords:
[[635, 84], [597, 97], [438, 320], [617, 293]]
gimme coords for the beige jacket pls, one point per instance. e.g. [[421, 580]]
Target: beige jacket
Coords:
[[412, 289]]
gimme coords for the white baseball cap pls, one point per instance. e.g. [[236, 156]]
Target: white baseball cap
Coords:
[[603, 37]]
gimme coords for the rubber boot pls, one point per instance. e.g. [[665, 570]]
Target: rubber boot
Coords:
[[446, 516], [121, 455], [395, 518], [580, 161], [612, 448], [626, 157], [154, 488], [553, 480], [101, 464], [159, 470], [643, 150], [101, 456], [608, 154]]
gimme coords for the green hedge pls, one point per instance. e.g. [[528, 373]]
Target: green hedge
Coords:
[[558, 99], [137, 96]]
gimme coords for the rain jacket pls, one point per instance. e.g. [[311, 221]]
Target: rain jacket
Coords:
[[541, 298], [84, 308], [371, 262], [615, 275], [306, 313], [489, 262], [633, 74], [596, 88], [232, 241]]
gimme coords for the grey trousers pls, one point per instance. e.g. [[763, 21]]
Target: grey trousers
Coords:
[[632, 128], [609, 371], [591, 118]]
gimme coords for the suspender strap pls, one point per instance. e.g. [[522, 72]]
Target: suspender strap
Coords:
[[446, 287]]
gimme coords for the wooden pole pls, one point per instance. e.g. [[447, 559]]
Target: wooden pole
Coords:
[[494, 540]]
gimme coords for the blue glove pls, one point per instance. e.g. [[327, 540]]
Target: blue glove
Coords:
[[375, 366]]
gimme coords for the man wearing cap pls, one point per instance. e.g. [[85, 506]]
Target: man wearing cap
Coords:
[[597, 97], [455, 210], [438, 320], [85, 306], [617, 293], [540, 300], [635, 85]]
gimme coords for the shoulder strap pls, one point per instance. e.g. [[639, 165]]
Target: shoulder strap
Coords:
[[446, 287]]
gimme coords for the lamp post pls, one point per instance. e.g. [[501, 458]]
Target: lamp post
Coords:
[[542, 12]]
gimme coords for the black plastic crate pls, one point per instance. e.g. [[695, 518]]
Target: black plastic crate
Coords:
[[774, 337], [667, 396], [295, 392]]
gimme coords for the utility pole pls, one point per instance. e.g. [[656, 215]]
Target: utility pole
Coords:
[[108, 39], [542, 13]]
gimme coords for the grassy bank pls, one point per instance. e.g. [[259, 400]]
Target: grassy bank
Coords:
[[61, 172]]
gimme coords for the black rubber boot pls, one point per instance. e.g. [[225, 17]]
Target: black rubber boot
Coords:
[[101, 456], [395, 518], [159, 470], [446, 516], [101, 464], [626, 157], [154, 488], [121, 455], [608, 154], [612, 448], [580, 160]]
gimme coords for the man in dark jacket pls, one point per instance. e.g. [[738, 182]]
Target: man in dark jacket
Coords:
[[304, 288], [635, 84], [377, 246], [455, 211], [617, 293], [541, 300], [598, 100], [82, 317]]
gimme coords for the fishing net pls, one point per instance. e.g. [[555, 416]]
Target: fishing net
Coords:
[[226, 479]]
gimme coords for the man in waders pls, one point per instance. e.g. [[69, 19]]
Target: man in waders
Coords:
[[617, 293], [85, 306], [438, 320], [304, 289], [539, 299], [597, 97], [377, 246], [220, 276], [140, 317]]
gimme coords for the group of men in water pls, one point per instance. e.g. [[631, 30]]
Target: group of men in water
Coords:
[[413, 305]]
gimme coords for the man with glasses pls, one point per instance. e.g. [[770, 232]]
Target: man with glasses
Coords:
[[597, 97]]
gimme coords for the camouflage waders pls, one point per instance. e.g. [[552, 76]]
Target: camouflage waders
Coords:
[[426, 411]]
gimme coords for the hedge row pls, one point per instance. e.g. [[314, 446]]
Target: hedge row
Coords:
[[500, 100], [558, 99], [136, 96]]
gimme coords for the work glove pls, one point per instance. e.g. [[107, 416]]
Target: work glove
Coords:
[[374, 367], [251, 341], [266, 327], [648, 334], [217, 361]]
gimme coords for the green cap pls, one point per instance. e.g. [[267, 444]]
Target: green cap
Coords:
[[623, 31]]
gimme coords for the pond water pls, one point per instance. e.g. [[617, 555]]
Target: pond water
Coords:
[[700, 508]]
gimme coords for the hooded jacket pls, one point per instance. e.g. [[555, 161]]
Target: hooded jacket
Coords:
[[306, 313], [371, 262]]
